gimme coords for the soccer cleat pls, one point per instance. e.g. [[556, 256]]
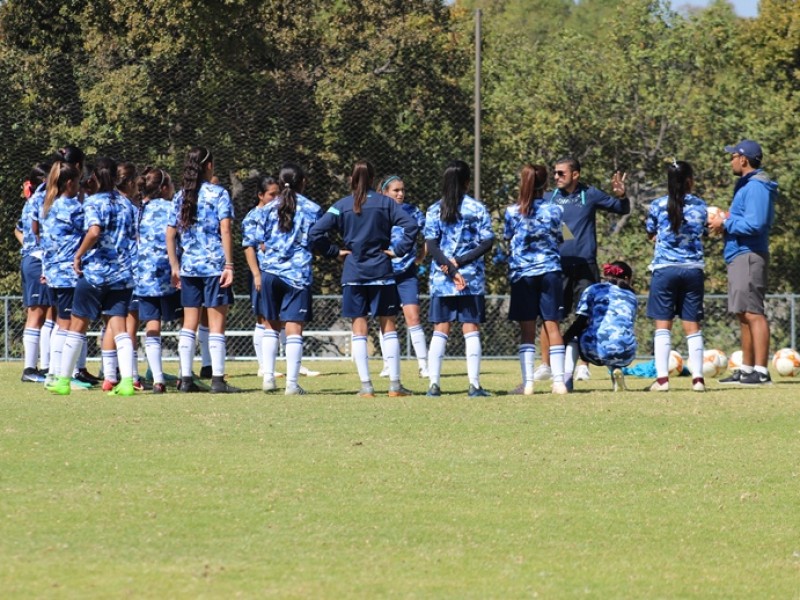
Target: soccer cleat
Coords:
[[60, 386], [698, 384], [108, 385], [477, 392], [423, 373], [31, 375], [755, 378], [658, 387], [220, 386], [148, 376], [75, 384], [308, 372], [582, 373], [188, 386], [123, 388], [278, 375], [294, 390], [50, 379], [86, 377], [384, 372], [434, 391], [205, 372], [396, 391], [542, 373], [159, 388], [560, 388], [733, 378], [618, 378], [523, 389], [138, 385], [366, 391], [268, 385]]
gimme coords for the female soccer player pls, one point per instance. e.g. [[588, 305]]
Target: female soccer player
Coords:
[[676, 222], [282, 274], [405, 274], [533, 231], [365, 220], [104, 265], [158, 299], [458, 232], [200, 225], [602, 332]]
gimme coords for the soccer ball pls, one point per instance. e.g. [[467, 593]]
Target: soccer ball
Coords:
[[675, 363], [786, 362], [735, 361], [713, 211], [715, 362]]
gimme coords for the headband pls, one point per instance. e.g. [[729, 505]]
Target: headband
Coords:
[[207, 156], [389, 180]]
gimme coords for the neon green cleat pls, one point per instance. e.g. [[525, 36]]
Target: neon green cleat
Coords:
[[123, 388], [60, 386]]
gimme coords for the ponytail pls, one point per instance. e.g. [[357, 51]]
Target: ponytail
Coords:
[[454, 187], [151, 181], [678, 175], [290, 180], [105, 174], [193, 171], [532, 180], [60, 174], [360, 183], [126, 178], [619, 273]]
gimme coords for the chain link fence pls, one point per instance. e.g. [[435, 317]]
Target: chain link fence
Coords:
[[328, 336]]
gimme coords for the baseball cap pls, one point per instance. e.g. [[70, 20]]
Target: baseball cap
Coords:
[[747, 148]]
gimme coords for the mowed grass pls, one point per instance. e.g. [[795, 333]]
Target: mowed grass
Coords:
[[596, 494]]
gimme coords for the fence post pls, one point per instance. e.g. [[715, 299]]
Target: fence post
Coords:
[[5, 336]]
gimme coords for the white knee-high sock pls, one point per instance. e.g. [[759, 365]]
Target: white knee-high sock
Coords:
[[44, 344], [186, 342], [662, 345], [557, 362], [360, 357], [81, 364], [527, 354], [124, 346], [152, 349], [218, 350], [391, 349], [294, 354], [270, 341], [695, 345], [258, 335], [383, 350], [570, 358], [110, 363], [417, 334], [472, 343], [30, 344], [435, 356], [205, 351], [70, 352], [56, 349]]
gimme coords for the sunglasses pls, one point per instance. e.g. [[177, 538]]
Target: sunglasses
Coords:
[[559, 173]]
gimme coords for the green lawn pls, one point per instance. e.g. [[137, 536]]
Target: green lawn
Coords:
[[595, 494]]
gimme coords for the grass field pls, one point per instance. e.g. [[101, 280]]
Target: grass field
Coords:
[[595, 494]]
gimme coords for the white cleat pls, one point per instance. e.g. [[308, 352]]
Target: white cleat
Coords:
[[582, 373], [542, 373], [308, 372]]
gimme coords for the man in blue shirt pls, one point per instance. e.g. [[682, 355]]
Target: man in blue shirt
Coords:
[[746, 252]]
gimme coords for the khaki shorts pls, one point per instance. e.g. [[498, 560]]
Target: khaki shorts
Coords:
[[747, 283]]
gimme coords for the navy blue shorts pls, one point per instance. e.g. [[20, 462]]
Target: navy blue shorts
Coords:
[[676, 292], [133, 304], [279, 301], [408, 287], [369, 300], [34, 292], [92, 301], [204, 291], [464, 309], [537, 296], [160, 308], [62, 299]]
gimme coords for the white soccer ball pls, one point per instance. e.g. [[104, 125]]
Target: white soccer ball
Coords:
[[715, 362], [735, 361], [713, 211], [786, 362], [675, 363]]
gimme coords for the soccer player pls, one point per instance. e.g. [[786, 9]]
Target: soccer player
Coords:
[[458, 232]]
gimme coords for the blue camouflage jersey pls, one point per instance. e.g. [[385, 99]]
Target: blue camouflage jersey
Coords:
[[404, 263], [200, 246], [153, 273], [288, 254], [30, 245], [111, 260], [455, 239], [251, 236], [685, 248], [533, 239], [608, 338], [61, 232]]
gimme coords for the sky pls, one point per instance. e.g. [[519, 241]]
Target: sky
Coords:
[[743, 8]]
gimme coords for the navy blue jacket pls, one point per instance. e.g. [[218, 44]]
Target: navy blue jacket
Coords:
[[366, 235]]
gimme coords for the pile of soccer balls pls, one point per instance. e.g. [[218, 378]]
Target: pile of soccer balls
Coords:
[[785, 362]]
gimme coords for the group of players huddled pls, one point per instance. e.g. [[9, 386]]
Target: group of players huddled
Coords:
[[131, 248]]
